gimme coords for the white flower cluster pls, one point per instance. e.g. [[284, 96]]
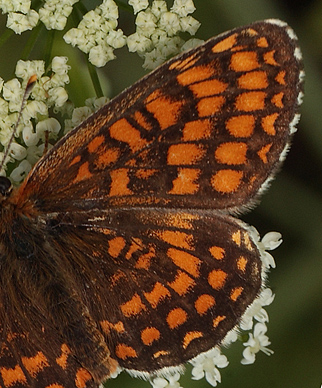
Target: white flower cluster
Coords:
[[206, 365], [96, 34], [34, 121], [21, 17], [156, 37]]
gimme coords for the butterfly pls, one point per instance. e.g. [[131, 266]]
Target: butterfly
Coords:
[[121, 249]]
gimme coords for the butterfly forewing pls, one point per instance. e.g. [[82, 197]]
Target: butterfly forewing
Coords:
[[208, 134]]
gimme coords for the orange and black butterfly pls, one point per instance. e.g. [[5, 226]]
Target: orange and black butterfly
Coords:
[[119, 248]]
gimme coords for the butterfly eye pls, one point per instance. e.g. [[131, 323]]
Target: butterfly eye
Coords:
[[5, 186]]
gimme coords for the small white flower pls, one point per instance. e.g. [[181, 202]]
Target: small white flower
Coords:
[[12, 91], [17, 151], [189, 24], [170, 22], [256, 342], [146, 22], [191, 43], [256, 311], [57, 96], [158, 8], [49, 125], [137, 42], [19, 22], [169, 382], [59, 65], [29, 136], [20, 172], [139, 5], [25, 69], [207, 364], [183, 7], [116, 39]]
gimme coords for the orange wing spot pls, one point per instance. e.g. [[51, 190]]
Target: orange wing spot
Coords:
[[55, 386], [190, 336], [81, 378], [75, 160], [225, 44], [236, 237], [165, 111], [160, 353], [185, 261], [217, 279], [182, 283], [280, 78], [142, 121], [250, 101], [95, 143], [185, 181], [247, 241], [251, 32], [242, 263], [120, 180], [226, 181], [185, 154], [118, 276], [123, 131], [62, 360], [277, 100], [208, 88], [268, 123], [195, 74], [176, 318], [241, 126], [158, 294], [235, 293], [231, 153], [176, 238], [123, 352], [210, 105], [253, 80], [217, 320], [115, 246], [149, 335], [269, 58], [181, 220], [204, 303], [262, 153], [244, 61], [262, 42], [13, 376], [145, 173], [108, 326], [196, 130], [35, 364], [133, 307], [144, 261], [83, 173], [107, 157], [135, 245], [182, 64], [217, 252]]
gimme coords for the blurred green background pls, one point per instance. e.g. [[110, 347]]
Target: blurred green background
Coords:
[[292, 206]]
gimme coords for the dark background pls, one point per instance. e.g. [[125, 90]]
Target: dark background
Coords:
[[292, 206]]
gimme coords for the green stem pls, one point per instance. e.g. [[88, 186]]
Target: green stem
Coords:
[[31, 41], [49, 46], [95, 79], [5, 36]]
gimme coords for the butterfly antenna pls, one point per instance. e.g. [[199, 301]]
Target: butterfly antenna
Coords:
[[31, 82]]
